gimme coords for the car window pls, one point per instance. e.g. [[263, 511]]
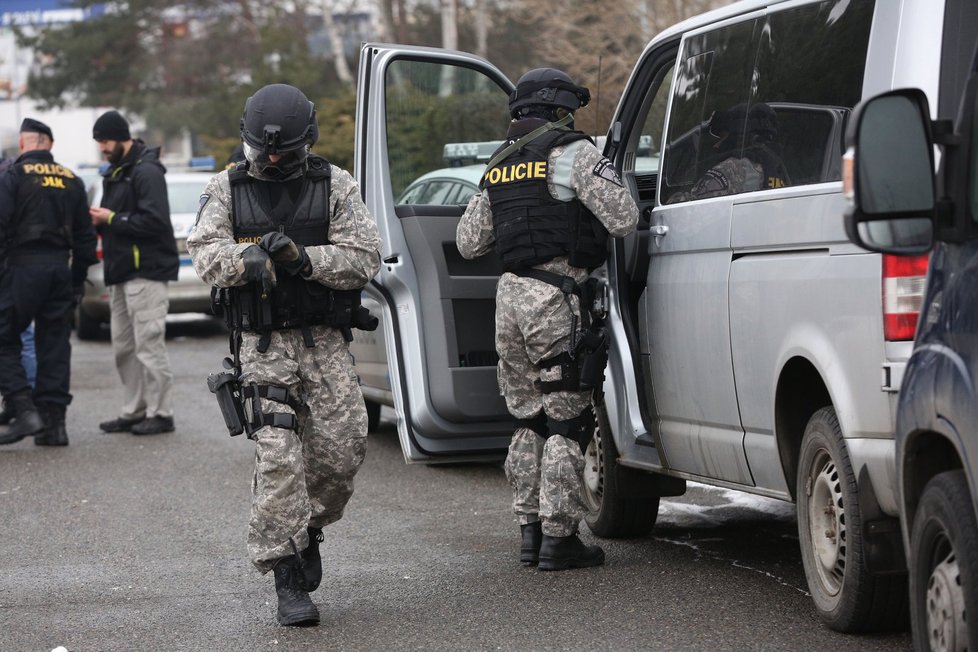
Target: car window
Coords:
[[764, 104], [713, 80], [809, 70], [463, 193], [436, 192], [184, 196], [454, 103], [412, 194]]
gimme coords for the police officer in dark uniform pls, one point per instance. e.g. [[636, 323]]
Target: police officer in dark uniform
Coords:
[[47, 243]]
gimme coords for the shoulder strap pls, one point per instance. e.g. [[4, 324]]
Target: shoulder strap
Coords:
[[536, 133]]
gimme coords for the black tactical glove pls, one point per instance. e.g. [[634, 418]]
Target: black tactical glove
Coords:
[[290, 256], [258, 267]]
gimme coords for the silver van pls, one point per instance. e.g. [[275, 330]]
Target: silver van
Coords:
[[754, 347]]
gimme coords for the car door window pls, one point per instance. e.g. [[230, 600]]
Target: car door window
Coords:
[[709, 97], [429, 106]]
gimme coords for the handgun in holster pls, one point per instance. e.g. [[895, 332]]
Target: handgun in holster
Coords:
[[226, 386]]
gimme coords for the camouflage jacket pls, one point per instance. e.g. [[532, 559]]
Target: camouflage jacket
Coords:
[[348, 263]]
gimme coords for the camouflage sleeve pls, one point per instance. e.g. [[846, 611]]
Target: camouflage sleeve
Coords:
[[598, 186], [728, 177], [353, 257], [216, 256], [474, 236]]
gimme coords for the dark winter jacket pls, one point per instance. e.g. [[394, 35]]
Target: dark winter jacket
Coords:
[[44, 215], [138, 241]]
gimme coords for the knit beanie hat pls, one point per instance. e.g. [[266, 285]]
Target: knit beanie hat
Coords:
[[111, 126]]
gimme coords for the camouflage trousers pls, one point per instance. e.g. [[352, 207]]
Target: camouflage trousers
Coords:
[[533, 323], [303, 478]]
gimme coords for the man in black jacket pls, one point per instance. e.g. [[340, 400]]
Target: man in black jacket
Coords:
[[139, 255], [46, 246]]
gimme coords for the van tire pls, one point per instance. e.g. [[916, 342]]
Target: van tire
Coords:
[[944, 565], [847, 596], [624, 502], [373, 415]]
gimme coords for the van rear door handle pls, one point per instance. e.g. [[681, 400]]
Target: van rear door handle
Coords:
[[658, 230]]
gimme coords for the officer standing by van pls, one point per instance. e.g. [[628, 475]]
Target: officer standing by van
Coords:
[[288, 241], [48, 243], [550, 201]]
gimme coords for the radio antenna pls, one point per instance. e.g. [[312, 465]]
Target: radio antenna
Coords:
[[597, 101]]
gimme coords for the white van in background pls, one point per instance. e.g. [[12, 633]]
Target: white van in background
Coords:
[[754, 347]]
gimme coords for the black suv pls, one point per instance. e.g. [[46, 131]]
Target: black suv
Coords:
[[898, 205]]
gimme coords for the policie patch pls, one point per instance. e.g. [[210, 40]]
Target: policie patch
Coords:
[[606, 170], [200, 207]]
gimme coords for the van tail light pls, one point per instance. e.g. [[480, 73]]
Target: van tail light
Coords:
[[904, 281]]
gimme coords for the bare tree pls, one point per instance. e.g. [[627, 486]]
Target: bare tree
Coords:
[[336, 42]]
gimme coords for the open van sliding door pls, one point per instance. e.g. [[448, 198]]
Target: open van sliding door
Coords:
[[438, 308]]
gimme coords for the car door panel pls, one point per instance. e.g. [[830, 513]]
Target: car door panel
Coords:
[[437, 307]]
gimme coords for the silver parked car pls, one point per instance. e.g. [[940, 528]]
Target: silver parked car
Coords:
[[753, 345], [188, 293]]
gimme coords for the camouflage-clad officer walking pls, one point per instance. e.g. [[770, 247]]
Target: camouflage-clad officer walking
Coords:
[[288, 238], [549, 202]]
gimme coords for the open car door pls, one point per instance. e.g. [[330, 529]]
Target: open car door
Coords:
[[431, 113]]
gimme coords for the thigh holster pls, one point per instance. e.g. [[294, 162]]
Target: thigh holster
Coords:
[[254, 415]]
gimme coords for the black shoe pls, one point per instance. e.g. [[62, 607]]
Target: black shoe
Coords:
[[6, 415], [530, 545], [561, 553], [121, 424], [54, 433], [153, 426], [312, 562], [294, 605], [27, 420]]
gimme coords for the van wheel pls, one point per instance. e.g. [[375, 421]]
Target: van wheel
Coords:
[[943, 566], [623, 502], [87, 327], [373, 415], [830, 530]]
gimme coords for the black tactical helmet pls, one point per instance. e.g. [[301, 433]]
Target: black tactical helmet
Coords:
[[278, 119], [546, 88]]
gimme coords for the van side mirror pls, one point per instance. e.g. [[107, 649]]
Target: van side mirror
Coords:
[[889, 174]]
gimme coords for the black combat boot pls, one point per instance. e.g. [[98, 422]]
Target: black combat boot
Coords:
[[561, 553], [312, 563], [6, 416], [54, 433], [294, 605], [27, 421], [530, 546]]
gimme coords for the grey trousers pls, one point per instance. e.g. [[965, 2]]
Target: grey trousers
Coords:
[[138, 323]]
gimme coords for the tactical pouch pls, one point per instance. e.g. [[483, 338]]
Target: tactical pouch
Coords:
[[594, 359], [226, 388]]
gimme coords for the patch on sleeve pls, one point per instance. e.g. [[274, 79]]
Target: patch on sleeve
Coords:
[[200, 207], [606, 170]]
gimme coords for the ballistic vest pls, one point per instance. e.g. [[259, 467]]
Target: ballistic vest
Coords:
[[530, 226], [295, 302]]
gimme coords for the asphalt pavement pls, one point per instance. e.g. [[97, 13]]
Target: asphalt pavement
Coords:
[[120, 542]]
